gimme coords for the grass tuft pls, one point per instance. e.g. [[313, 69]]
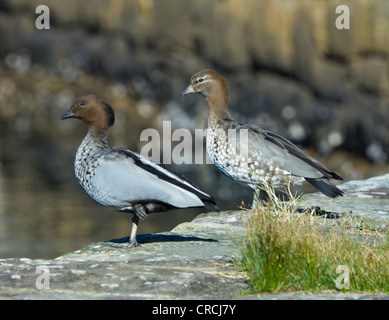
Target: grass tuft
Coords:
[[284, 250]]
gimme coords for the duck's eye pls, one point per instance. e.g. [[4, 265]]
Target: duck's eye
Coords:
[[201, 80], [82, 104]]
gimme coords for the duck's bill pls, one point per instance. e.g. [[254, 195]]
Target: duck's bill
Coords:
[[68, 114], [188, 90]]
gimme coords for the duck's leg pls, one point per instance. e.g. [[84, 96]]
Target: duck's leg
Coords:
[[258, 197], [140, 213], [132, 240]]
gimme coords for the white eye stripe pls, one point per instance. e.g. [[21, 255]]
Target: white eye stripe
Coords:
[[203, 79]]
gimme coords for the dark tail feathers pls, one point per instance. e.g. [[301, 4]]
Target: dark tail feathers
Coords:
[[211, 206], [326, 187]]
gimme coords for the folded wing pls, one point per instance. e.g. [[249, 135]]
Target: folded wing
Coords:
[[137, 179]]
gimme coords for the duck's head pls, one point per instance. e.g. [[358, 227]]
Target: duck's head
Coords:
[[92, 110], [211, 85]]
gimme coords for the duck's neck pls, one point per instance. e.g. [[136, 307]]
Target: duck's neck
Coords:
[[93, 141], [99, 137], [218, 111]]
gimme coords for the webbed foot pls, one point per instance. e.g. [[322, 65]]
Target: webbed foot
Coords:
[[123, 245]]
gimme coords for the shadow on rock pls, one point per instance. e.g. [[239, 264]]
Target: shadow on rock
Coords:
[[150, 238], [317, 211]]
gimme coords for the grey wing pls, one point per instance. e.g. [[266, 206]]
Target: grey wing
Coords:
[[121, 182], [282, 152], [300, 163]]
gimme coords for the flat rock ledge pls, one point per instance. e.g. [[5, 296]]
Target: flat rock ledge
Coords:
[[193, 261]]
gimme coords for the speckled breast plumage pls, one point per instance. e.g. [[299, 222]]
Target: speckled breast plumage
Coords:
[[231, 152], [88, 157]]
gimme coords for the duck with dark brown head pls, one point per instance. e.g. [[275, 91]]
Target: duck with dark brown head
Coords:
[[124, 180]]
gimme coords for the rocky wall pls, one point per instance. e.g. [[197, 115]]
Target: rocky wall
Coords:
[[289, 68]]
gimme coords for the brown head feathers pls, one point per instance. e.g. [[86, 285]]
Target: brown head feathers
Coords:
[[98, 114], [207, 82], [213, 87]]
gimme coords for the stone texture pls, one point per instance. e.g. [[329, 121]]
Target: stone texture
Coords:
[[368, 199], [193, 261]]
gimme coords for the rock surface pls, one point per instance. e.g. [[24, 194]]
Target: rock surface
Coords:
[[193, 261], [368, 199]]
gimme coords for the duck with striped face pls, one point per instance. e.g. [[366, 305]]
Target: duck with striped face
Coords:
[[267, 157]]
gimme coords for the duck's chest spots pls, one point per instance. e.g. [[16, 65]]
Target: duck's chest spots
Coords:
[[237, 160], [87, 160]]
